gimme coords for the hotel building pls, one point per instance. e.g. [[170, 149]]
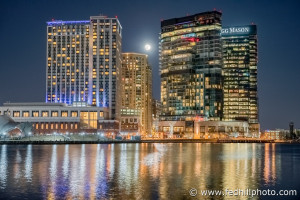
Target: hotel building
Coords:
[[137, 89], [191, 68], [240, 73], [83, 62]]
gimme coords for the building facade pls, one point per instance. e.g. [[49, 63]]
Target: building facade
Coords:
[[130, 122], [191, 67], [240, 73], [206, 129], [83, 62], [49, 118], [156, 112], [137, 88]]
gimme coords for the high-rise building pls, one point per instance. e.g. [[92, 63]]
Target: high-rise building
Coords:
[[137, 88], [191, 67], [240, 73], [105, 61], [67, 61], [83, 62]]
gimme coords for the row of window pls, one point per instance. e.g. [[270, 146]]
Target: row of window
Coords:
[[56, 126], [45, 113]]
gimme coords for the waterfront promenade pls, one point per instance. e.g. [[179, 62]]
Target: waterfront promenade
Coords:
[[113, 141]]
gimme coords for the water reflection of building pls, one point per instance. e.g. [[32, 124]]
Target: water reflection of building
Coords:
[[118, 171], [241, 167], [271, 165], [3, 166]]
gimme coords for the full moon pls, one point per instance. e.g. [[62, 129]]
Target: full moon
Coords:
[[147, 47]]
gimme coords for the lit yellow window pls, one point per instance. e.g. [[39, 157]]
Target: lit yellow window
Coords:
[[74, 114], [64, 114], [25, 114], [54, 114], [16, 114], [35, 114], [45, 114]]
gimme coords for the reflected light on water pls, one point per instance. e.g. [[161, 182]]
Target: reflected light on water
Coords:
[[17, 170], [3, 166], [137, 171], [66, 162], [270, 164], [28, 163]]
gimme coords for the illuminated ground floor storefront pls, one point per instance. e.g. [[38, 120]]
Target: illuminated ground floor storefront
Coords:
[[207, 129]]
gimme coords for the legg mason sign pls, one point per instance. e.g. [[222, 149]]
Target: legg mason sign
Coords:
[[238, 30]]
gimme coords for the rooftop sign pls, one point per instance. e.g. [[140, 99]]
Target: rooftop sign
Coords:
[[53, 23], [240, 30]]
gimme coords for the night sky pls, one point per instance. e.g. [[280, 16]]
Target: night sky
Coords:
[[23, 44]]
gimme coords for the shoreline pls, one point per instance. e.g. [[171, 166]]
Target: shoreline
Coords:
[[17, 142]]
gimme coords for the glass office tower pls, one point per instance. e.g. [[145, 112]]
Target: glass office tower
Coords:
[[240, 73], [191, 67]]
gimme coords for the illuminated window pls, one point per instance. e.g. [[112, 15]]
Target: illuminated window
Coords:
[[64, 113], [74, 114], [35, 113], [45, 113], [16, 114], [88, 120], [25, 114], [54, 114]]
